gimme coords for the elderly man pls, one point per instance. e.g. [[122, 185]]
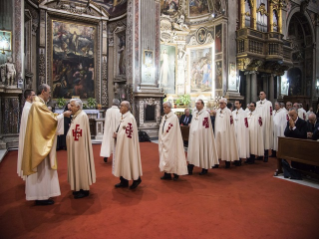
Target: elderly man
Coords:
[[172, 159], [29, 97], [280, 121], [264, 107], [39, 152], [288, 106], [282, 106], [256, 144], [127, 157], [81, 168], [225, 134], [296, 127], [312, 125], [112, 120], [185, 118], [201, 150], [241, 130]]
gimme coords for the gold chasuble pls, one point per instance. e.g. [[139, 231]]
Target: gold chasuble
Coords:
[[39, 137]]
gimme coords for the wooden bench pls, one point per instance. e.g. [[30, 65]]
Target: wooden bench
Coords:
[[299, 150]]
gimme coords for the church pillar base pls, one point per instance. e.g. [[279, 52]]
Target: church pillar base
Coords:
[[232, 96]]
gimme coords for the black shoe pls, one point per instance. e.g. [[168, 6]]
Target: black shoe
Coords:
[[122, 184], [247, 160], [135, 183], [105, 159], [44, 202], [76, 192], [274, 154], [227, 164], [82, 194], [260, 158], [266, 156], [203, 172], [216, 166], [237, 163], [167, 176], [190, 169], [175, 177]]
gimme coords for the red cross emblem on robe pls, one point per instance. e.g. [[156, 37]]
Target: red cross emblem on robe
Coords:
[[205, 122], [231, 120], [287, 117], [270, 110], [246, 122], [77, 132], [169, 127], [129, 130], [260, 121]]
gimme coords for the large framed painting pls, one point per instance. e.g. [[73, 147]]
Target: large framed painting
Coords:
[[73, 49], [218, 75], [201, 69], [148, 67], [168, 68], [198, 8], [218, 39], [169, 7]]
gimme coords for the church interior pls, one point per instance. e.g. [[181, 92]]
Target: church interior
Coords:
[[148, 52]]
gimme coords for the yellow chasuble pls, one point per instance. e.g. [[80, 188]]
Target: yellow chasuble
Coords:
[[39, 137]]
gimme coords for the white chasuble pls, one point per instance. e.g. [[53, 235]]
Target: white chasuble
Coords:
[[45, 182], [226, 144], [170, 145], [23, 127], [112, 120], [127, 158], [256, 138], [201, 144], [242, 132], [264, 107], [81, 167], [280, 123]]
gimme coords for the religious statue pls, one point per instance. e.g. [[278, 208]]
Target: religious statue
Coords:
[[8, 73], [180, 25]]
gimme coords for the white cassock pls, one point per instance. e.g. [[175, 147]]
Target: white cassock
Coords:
[[242, 132], [302, 114], [280, 123], [170, 145], [226, 143], [201, 144], [45, 182], [265, 109], [81, 168], [23, 127], [247, 110], [112, 121], [256, 138], [127, 154]]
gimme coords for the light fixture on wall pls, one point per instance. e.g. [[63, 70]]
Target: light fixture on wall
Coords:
[[214, 15], [5, 41], [317, 85]]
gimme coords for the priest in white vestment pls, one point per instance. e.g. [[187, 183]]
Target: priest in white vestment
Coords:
[[201, 144], [280, 123], [112, 120], [127, 156], [226, 143], [170, 145], [241, 131], [256, 137], [302, 113], [265, 108], [29, 97], [81, 167], [39, 154]]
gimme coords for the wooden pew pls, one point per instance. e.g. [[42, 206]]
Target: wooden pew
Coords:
[[185, 132], [299, 150]]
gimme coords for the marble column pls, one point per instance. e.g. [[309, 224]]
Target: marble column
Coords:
[[18, 38], [271, 91], [248, 89], [254, 96]]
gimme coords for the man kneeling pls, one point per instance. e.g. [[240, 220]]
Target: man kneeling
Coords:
[[81, 168]]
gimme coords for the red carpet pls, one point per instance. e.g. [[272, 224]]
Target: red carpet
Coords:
[[242, 202]]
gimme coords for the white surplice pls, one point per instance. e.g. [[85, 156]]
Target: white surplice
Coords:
[[242, 132], [112, 121], [226, 143], [170, 145], [264, 107], [255, 125], [23, 127], [302, 114], [45, 182], [280, 123], [201, 144]]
